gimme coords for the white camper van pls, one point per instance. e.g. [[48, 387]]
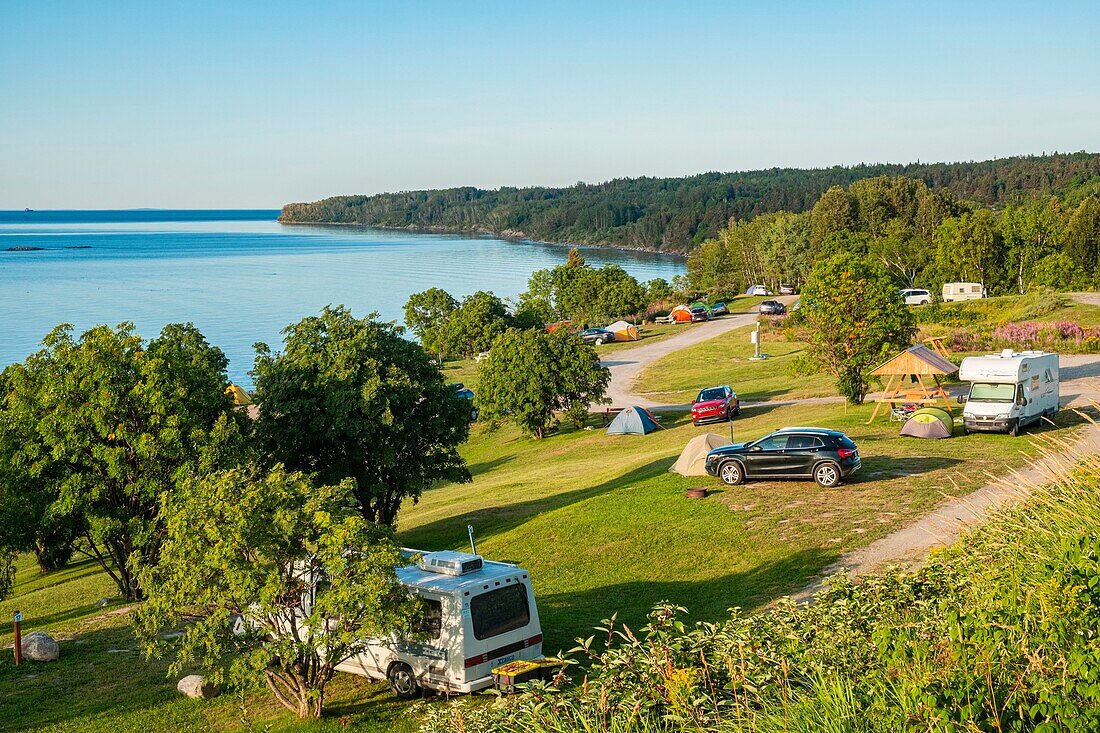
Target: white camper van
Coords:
[[480, 614], [1009, 391], [962, 291]]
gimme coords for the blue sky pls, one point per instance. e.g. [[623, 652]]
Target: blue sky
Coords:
[[224, 104]]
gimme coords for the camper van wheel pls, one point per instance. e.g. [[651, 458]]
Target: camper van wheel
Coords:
[[403, 681], [731, 473], [1014, 431]]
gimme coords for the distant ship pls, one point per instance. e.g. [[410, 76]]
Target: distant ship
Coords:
[[28, 209]]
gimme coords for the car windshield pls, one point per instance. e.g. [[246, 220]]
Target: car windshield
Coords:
[[715, 393], [984, 392]]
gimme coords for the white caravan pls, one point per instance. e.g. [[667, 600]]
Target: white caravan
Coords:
[[1009, 391], [962, 291], [480, 614]]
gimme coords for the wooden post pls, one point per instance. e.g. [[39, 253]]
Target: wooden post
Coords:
[[18, 638]]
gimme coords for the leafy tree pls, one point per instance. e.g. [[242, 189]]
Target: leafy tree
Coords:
[[530, 375], [904, 254], [970, 248], [658, 289], [109, 425], [1030, 234], [576, 259], [471, 328], [536, 304], [852, 319], [1059, 272], [351, 398], [833, 212], [425, 314], [1083, 235], [292, 565], [710, 268]]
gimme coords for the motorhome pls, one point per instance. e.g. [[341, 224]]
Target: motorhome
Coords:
[[962, 291], [480, 614], [1009, 391]]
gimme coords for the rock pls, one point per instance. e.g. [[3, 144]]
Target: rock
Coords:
[[196, 686], [38, 646], [103, 602]]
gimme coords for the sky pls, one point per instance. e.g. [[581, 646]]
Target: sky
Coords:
[[228, 104]]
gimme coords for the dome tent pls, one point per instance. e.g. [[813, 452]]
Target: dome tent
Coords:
[[681, 314], [929, 422], [624, 331], [633, 421], [693, 459]]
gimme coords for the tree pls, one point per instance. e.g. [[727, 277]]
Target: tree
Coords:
[[658, 289], [1031, 233], [351, 398], [426, 312], [1083, 235], [471, 328], [110, 425], [530, 375], [970, 248], [904, 254], [576, 259], [852, 319], [833, 212], [710, 268], [536, 304], [309, 579]]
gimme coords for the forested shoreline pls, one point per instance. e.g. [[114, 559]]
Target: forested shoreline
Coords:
[[677, 214]]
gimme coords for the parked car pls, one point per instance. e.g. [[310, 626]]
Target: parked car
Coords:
[[760, 290], [787, 289], [463, 392], [719, 309], [715, 404], [772, 308], [916, 296], [597, 336], [826, 456], [699, 314]]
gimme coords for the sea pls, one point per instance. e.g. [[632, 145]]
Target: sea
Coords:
[[240, 276]]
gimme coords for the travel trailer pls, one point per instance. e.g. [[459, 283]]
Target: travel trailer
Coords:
[[1009, 391], [480, 614], [962, 291]]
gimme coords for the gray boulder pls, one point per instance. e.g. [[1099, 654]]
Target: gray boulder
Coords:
[[196, 686], [38, 646]]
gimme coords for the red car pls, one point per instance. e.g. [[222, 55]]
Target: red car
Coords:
[[715, 404]]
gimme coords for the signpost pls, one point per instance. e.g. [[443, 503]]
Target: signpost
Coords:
[[18, 638]]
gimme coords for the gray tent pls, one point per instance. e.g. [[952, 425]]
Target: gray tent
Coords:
[[929, 422], [634, 421]]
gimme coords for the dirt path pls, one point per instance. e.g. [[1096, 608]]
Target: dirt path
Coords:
[[627, 365]]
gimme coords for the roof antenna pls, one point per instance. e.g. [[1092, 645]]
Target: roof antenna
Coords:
[[473, 545]]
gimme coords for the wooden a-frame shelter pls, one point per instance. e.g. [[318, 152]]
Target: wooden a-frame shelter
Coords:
[[918, 363]]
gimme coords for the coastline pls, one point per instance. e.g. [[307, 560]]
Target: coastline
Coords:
[[508, 235]]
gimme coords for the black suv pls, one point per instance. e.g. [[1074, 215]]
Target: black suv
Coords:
[[826, 456]]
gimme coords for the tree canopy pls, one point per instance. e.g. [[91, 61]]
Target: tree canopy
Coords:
[[351, 398], [530, 375]]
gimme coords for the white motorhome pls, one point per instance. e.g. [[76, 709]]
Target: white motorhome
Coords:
[[480, 614], [962, 291], [1009, 391]]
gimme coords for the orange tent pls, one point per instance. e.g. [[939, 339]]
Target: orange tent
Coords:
[[681, 314], [558, 324], [624, 331]]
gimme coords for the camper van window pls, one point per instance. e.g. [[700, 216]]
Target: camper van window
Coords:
[[499, 611], [431, 623], [982, 392]]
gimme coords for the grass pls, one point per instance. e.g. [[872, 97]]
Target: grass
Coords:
[[604, 527], [724, 359]]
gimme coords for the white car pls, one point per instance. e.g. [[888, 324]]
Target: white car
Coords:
[[916, 296], [760, 290]]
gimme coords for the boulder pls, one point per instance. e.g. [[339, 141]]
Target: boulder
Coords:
[[196, 686], [38, 646]]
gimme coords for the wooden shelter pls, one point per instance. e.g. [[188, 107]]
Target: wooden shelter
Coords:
[[920, 365]]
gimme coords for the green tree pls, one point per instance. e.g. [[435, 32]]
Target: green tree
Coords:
[[425, 314], [471, 328], [710, 268], [351, 398], [536, 304], [969, 248], [904, 254], [834, 212], [531, 375], [118, 424], [576, 259], [272, 578], [1030, 234], [658, 289], [852, 319], [1083, 235]]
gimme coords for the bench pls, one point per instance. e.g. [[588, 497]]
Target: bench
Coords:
[[664, 319], [610, 414]]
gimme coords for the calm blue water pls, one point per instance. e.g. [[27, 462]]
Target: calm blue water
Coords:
[[239, 276]]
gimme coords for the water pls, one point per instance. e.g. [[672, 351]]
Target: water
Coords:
[[240, 276]]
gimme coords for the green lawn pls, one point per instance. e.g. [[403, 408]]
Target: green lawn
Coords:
[[597, 519], [724, 359]]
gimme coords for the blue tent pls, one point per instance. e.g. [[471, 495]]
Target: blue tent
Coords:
[[633, 421]]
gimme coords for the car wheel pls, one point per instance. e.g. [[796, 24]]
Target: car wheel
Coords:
[[731, 474], [923, 302], [827, 474], [599, 342], [403, 681], [695, 423], [1014, 431]]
